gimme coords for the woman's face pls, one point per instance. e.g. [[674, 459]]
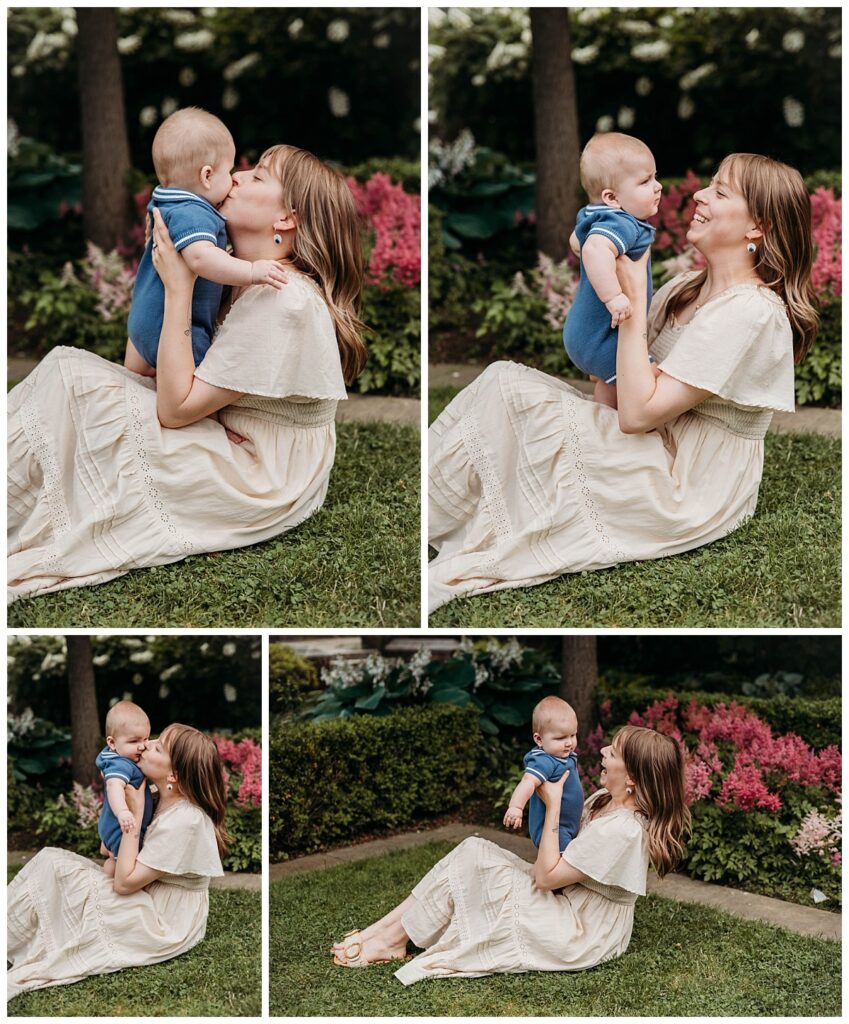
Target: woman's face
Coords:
[[254, 202], [614, 777], [722, 219], [155, 761]]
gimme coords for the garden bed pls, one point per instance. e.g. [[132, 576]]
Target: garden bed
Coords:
[[684, 960]]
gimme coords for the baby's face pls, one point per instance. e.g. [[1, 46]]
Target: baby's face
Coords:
[[218, 184], [130, 740], [638, 190], [560, 736]]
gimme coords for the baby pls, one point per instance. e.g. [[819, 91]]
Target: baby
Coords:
[[618, 175], [127, 731], [193, 155], [555, 735]]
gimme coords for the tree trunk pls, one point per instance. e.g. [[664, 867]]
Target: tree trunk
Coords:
[[579, 677], [106, 151], [85, 727], [556, 130]]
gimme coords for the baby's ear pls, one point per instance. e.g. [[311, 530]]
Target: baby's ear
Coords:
[[206, 174]]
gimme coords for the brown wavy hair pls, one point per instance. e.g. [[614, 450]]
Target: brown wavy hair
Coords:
[[781, 207], [200, 774], [656, 765], [328, 243]]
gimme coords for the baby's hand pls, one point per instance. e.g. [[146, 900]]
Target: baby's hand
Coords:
[[268, 272], [126, 820], [513, 818], [619, 308]]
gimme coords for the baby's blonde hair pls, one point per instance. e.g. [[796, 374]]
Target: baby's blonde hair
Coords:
[[123, 715], [186, 141], [606, 157], [547, 710]]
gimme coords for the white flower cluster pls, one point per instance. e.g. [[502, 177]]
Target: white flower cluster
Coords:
[[52, 661], [635, 27], [505, 655], [230, 694], [794, 112], [13, 137], [338, 30], [170, 672], [168, 106], [45, 44], [240, 66], [187, 77], [338, 101], [643, 86], [692, 78], [229, 98], [132, 641], [129, 44], [793, 41], [585, 54], [141, 657], [19, 725], [448, 159], [100, 660], [505, 55], [177, 16], [296, 26], [625, 117], [686, 108], [148, 116], [751, 38], [482, 675], [654, 49], [228, 650], [193, 42]]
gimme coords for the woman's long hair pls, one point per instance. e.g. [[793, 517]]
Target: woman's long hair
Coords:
[[655, 763], [781, 207], [328, 243], [200, 774]]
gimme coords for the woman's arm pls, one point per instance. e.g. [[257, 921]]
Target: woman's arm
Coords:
[[130, 876], [645, 400], [550, 870], [180, 397]]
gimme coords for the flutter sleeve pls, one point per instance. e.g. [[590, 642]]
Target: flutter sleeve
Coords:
[[182, 842], [277, 343], [623, 231], [612, 850], [740, 347]]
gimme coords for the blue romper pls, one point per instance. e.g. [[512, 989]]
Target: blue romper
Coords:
[[549, 769], [189, 218], [589, 339], [113, 766]]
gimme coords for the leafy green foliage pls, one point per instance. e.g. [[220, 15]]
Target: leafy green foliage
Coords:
[[393, 316], [59, 824], [407, 173], [41, 185], [37, 750], [290, 679], [333, 780], [819, 376], [244, 827]]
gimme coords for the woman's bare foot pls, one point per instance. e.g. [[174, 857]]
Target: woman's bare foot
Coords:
[[109, 868]]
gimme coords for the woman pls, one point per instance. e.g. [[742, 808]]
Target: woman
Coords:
[[482, 910], [529, 479], [67, 920], [100, 482]]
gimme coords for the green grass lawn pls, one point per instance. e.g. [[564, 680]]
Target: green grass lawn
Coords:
[[684, 960], [355, 563], [781, 569], [221, 977]]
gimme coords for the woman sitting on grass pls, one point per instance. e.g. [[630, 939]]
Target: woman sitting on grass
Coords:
[[481, 910], [108, 471], [66, 920], [529, 479]]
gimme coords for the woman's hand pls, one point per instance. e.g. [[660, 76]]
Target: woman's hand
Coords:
[[175, 273], [632, 276], [135, 801], [551, 793]]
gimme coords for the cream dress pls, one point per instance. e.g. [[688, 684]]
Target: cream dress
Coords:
[[96, 486], [530, 479], [65, 922], [479, 913]]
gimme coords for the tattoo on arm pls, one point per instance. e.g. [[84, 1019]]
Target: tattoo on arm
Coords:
[[188, 330]]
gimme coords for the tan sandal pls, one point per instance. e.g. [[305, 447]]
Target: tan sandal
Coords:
[[353, 954]]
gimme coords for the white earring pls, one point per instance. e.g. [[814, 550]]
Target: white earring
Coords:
[[751, 247], [169, 787], [278, 238], [629, 791]]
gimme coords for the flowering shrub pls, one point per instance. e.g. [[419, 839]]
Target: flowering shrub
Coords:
[[245, 758], [70, 821], [502, 679], [394, 218], [759, 801]]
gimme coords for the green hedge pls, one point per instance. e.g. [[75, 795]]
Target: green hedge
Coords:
[[290, 678], [337, 779], [816, 721]]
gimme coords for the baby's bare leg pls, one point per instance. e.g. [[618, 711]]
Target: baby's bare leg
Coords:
[[133, 361], [605, 394], [109, 867]]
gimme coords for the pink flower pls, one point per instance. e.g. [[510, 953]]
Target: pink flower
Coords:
[[246, 757], [394, 218]]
